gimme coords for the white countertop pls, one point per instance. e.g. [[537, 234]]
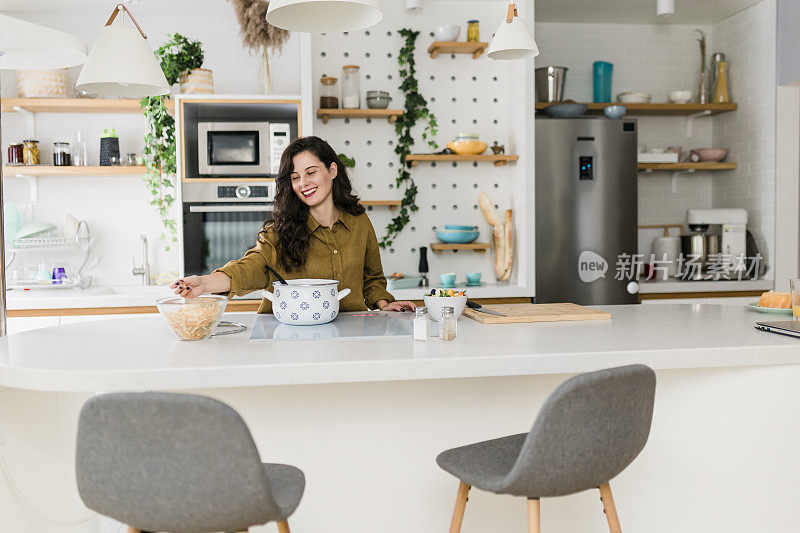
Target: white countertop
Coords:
[[122, 296], [142, 354], [673, 285], [146, 295]]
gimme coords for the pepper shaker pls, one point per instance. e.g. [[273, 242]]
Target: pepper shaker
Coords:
[[423, 265]]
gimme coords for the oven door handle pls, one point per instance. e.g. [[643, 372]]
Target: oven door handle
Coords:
[[230, 208]]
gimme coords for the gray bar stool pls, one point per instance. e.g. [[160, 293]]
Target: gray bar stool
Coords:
[[178, 463], [588, 431]]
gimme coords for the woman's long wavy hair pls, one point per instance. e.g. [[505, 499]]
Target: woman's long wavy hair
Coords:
[[290, 213]]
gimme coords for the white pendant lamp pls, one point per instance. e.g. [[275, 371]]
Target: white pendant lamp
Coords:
[[24, 45], [513, 39], [324, 16], [665, 8], [121, 63]]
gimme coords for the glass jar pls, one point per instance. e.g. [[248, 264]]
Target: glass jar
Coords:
[[351, 87], [422, 325], [30, 152], [61, 154], [328, 93], [15, 154], [473, 31], [447, 324], [130, 161]]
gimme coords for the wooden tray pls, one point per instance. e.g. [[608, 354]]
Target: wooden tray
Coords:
[[536, 313]]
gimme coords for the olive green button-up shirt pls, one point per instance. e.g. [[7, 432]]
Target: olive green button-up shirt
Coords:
[[347, 252]]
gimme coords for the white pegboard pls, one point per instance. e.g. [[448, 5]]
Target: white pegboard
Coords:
[[465, 94]]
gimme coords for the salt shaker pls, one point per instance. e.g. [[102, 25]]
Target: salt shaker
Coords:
[[447, 324], [422, 325]]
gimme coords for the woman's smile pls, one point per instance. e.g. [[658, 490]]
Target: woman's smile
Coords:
[[308, 193]]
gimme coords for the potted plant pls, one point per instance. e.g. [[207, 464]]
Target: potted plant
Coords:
[[181, 60]]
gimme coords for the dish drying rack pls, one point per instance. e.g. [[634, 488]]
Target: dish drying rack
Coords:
[[49, 242]]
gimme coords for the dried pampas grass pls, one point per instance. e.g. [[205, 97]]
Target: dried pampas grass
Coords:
[[258, 35]]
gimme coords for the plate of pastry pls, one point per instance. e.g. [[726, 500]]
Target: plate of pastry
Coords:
[[773, 302]]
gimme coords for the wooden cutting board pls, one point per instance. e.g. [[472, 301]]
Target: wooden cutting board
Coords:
[[535, 313]]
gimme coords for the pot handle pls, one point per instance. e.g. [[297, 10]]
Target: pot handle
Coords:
[[268, 295], [342, 294]]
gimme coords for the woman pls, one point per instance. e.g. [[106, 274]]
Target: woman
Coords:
[[319, 230]]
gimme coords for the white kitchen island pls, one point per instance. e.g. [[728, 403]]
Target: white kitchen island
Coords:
[[365, 418]]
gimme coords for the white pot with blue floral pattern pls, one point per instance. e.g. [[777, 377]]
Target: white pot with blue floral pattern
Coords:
[[305, 302]]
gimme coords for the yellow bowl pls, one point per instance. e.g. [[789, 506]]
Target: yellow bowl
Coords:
[[467, 147]]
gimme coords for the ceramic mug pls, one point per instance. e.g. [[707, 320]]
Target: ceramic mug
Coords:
[[305, 302]]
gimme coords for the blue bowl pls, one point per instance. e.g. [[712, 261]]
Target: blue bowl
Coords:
[[457, 238], [566, 110], [461, 228], [615, 111]]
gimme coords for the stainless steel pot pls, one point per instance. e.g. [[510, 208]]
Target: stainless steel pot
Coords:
[[696, 249], [550, 83]]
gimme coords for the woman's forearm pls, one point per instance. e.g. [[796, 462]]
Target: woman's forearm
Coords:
[[217, 282]]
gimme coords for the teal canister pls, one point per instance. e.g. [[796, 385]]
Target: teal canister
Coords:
[[602, 81]]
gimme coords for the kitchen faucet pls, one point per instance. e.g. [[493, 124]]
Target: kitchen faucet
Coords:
[[144, 270]]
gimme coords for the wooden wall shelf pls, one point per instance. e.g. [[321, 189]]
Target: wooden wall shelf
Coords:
[[457, 47], [655, 108], [673, 167], [389, 114], [498, 160], [439, 247], [47, 170], [75, 105], [391, 204]]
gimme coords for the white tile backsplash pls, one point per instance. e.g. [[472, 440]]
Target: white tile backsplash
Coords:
[[116, 208], [661, 58], [748, 41]]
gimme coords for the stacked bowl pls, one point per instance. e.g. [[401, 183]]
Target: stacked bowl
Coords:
[[454, 234]]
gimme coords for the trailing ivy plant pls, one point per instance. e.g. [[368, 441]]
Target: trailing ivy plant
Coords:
[[416, 108], [176, 56]]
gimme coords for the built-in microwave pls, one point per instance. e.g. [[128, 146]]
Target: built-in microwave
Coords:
[[241, 149]]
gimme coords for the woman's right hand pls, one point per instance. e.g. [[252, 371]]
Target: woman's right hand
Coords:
[[190, 286]]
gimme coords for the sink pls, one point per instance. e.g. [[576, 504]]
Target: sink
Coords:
[[132, 290]]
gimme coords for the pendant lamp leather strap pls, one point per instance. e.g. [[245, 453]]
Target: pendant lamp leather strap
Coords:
[[114, 16], [512, 12]]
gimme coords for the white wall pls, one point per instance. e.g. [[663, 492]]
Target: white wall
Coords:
[[748, 41], [117, 207]]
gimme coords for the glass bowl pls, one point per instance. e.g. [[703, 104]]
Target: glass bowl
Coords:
[[192, 319]]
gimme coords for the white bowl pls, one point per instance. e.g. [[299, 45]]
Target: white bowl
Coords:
[[633, 98], [447, 32], [435, 304], [680, 97]]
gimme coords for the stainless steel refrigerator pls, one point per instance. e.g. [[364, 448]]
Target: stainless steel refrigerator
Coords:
[[586, 210]]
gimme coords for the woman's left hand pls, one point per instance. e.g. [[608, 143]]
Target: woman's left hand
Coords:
[[399, 306]]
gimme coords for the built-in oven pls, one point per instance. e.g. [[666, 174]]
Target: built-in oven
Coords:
[[221, 222], [241, 149]]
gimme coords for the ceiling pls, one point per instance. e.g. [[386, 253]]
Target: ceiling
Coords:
[[638, 11], [170, 7], [603, 11]]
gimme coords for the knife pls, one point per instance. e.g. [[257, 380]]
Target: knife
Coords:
[[478, 307]]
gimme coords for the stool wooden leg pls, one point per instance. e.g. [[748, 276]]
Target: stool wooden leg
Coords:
[[283, 527], [534, 525], [461, 505], [133, 530], [609, 508]]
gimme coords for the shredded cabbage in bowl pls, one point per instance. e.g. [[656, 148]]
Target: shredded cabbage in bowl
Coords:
[[193, 319]]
